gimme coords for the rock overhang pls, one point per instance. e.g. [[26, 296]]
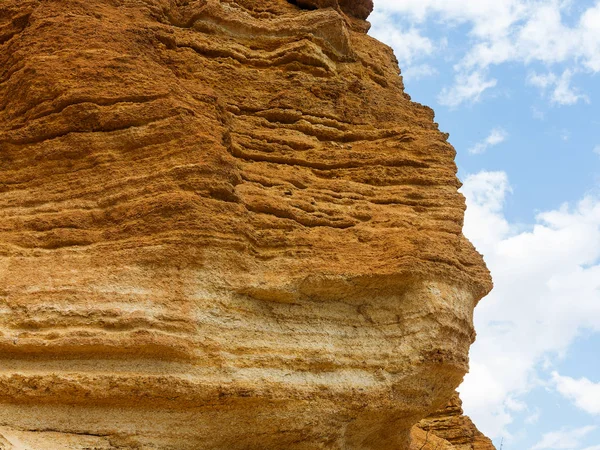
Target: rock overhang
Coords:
[[215, 206]]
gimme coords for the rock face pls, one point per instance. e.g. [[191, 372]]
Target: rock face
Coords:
[[449, 429], [223, 225]]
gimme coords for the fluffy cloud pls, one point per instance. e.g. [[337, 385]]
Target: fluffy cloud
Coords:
[[531, 314], [522, 31], [564, 439], [419, 71], [408, 44], [468, 88], [534, 417], [562, 92], [584, 393], [496, 136]]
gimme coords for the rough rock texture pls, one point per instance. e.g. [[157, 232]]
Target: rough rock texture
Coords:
[[449, 429], [223, 225]]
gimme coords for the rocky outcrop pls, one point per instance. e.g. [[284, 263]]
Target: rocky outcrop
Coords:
[[223, 225], [449, 429]]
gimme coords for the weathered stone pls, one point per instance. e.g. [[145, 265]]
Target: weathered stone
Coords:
[[355, 8], [449, 429], [223, 225]]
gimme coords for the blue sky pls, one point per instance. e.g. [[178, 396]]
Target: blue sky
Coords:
[[516, 83]]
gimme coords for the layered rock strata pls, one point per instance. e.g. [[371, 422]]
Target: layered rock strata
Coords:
[[223, 225], [449, 429]]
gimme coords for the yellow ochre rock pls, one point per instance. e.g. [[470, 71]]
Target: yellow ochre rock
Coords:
[[223, 225], [449, 429]]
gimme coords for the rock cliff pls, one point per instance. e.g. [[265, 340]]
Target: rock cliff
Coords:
[[449, 429], [223, 225]]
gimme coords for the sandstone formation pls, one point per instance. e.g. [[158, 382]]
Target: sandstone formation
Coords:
[[223, 225], [449, 429]]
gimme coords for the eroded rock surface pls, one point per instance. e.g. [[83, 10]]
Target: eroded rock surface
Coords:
[[449, 429], [223, 225]]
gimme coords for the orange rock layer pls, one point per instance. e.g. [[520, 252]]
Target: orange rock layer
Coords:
[[449, 429], [223, 225]]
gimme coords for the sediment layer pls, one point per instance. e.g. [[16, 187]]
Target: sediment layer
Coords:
[[223, 225]]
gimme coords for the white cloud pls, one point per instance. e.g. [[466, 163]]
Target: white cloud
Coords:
[[564, 439], [531, 314], [408, 44], [486, 193], [590, 42], [541, 81], [562, 92], [509, 31], [584, 393], [467, 88], [419, 71], [595, 447], [496, 136], [534, 417], [489, 17], [597, 149]]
